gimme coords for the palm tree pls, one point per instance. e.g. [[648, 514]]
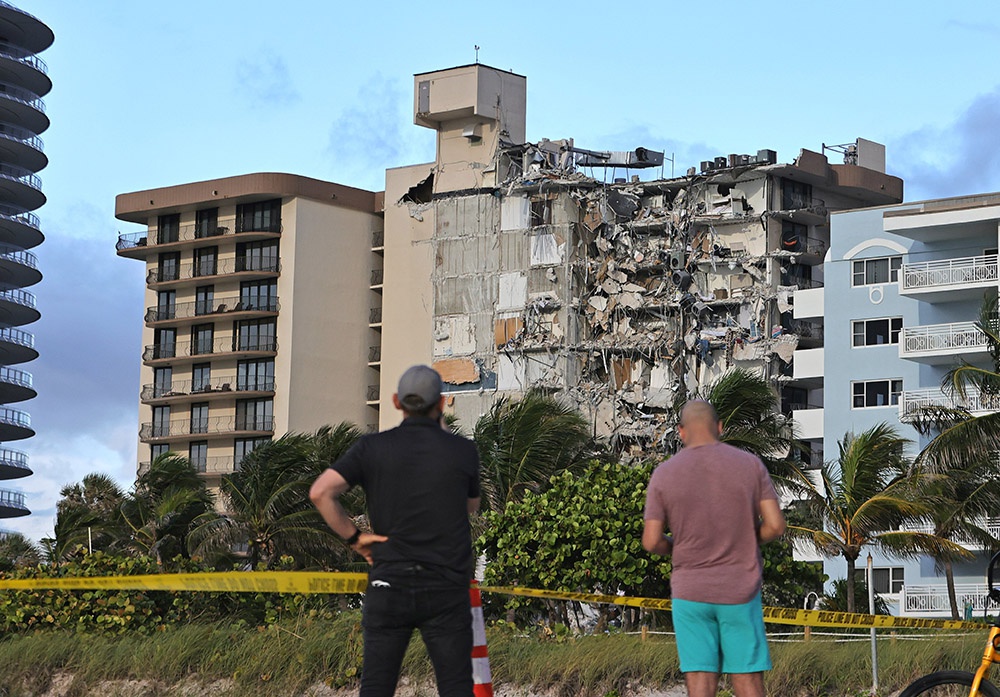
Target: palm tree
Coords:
[[88, 514], [164, 505], [17, 551], [523, 443], [862, 500], [268, 507], [748, 408]]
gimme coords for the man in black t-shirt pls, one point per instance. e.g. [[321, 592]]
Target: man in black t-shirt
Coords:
[[421, 483]]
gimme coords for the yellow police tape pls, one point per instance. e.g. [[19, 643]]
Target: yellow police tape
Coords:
[[339, 582]]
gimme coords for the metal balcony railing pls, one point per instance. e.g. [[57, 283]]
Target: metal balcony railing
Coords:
[[208, 426], [214, 465], [372, 394], [378, 239], [222, 267], [794, 202], [377, 276], [19, 94], [941, 337], [13, 458], [806, 329], [13, 376], [14, 417], [933, 599], [20, 174], [18, 255], [950, 272], [21, 135], [182, 388], [375, 315], [20, 216], [23, 56], [216, 306], [19, 297], [374, 354], [804, 244], [187, 233], [912, 401], [17, 336], [12, 499], [216, 346]]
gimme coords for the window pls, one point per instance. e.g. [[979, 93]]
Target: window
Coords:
[[257, 256], [202, 339], [199, 417], [885, 579], [158, 449], [541, 212], [161, 422], [201, 377], [259, 295], [876, 393], [206, 223], [204, 300], [166, 304], [875, 332], [799, 275], [256, 335], [198, 455], [168, 266], [164, 343], [255, 375], [795, 195], [263, 216], [867, 272], [168, 228], [245, 446], [206, 261], [162, 381], [254, 414]]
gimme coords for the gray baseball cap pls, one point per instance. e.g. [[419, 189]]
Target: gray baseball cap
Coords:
[[419, 388]]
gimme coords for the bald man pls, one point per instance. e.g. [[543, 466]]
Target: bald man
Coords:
[[720, 506]]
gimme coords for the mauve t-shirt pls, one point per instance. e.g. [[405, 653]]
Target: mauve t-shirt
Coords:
[[709, 498]]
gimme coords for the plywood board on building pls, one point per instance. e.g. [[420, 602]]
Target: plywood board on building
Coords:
[[457, 371], [506, 330]]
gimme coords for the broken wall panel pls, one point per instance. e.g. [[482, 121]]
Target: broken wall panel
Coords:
[[463, 295], [513, 291], [454, 335]]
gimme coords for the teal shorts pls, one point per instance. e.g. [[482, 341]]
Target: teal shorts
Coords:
[[721, 638]]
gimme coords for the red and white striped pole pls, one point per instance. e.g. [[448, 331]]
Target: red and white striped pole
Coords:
[[481, 678]]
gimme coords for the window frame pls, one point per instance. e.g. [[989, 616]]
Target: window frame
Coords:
[[895, 263], [893, 395], [892, 332]]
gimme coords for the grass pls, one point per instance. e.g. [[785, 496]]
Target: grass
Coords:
[[287, 659]]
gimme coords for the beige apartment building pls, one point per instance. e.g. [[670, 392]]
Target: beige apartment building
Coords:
[[280, 303], [261, 312]]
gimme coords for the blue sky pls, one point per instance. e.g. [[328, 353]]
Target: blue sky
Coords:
[[155, 94]]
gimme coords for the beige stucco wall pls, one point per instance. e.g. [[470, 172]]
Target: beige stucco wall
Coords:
[[407, 296], [321, 369]]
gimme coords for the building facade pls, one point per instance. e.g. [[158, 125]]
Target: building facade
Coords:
[[262, 295], [909, 282], [23, 82]]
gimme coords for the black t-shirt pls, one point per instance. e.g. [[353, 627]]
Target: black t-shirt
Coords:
[[417, 479]]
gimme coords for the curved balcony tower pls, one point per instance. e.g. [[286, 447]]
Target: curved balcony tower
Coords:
[[24, 81]]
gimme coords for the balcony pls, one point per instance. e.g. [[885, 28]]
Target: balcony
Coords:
[[12, 504], [976, 403], [17, 307], [808, 423], [248, 268], [807, 366], [135, 244], [375, 317], [25, 68], [802, 209], [14, 424], [15, 385], [941, 343], [211, 426], [23, 107], [949, 279], [167, 314], [932, 600], [21, 146], [13, 464], [18, 268], [177, 353], [19, 227], [179, 390], [21, 186], [16, 346], [808, 303]]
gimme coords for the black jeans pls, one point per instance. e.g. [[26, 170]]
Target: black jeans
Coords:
[[444, 619]]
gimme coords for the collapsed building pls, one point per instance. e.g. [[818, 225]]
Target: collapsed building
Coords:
[[624, 296]]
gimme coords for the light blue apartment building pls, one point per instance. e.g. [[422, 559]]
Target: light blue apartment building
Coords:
[[903, 287]]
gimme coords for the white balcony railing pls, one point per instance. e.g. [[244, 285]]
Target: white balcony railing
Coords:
[[975, 402], [932, 600], [941, 339], [958, 273]]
